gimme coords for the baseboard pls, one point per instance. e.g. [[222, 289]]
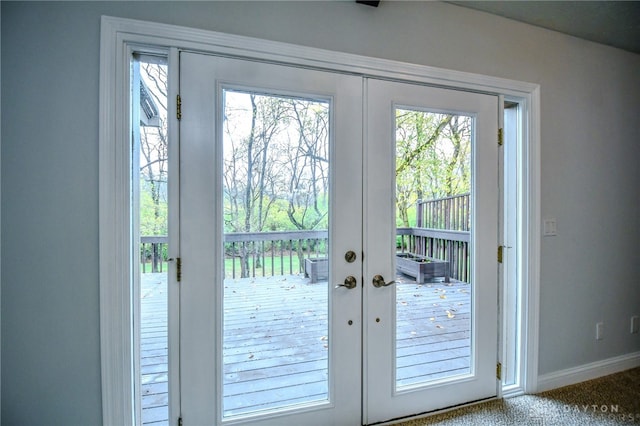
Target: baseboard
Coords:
[[590, 371]]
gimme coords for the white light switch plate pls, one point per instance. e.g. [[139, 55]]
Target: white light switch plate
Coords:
[[550, 227], [599, 331]]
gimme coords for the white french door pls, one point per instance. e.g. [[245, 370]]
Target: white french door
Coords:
[[268, 348], [429, 346], [282, 326]]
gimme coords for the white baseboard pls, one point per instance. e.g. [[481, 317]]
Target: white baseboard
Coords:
[[589, 371]]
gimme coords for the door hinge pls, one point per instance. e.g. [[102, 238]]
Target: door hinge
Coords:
[[500, 136], [179, 421], [178, 269], [500, 248], [499, 371], [178, 107]]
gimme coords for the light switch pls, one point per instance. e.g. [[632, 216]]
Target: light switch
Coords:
[[550, 227]]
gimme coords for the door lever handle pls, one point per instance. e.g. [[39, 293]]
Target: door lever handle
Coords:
[[349, 282], [378, 281]]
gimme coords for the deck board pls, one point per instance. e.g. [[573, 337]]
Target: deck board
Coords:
[[275, 343]]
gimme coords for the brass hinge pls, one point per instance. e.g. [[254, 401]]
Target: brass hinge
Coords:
[[179, 421], [500, 137], [178, 269], [499, 371], [500, 248], [178, 107]]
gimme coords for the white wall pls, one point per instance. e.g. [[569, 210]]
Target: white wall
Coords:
[[49, 234]]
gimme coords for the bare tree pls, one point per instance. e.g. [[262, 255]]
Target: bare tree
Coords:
[[432, 157], [308, 183], [153, 156], [276, 151], [249, 170]]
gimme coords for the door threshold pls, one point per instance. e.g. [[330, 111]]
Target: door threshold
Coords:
[[433, 413]]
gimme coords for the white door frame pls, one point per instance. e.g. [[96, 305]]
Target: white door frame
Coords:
[[119, 37]]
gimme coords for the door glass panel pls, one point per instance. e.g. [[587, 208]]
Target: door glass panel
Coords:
[[276, 196], [433, 217], [150, 151]]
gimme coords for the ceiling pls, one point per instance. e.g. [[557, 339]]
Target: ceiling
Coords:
[[614, 23]]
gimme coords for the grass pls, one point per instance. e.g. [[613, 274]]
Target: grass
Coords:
[[165, 267]]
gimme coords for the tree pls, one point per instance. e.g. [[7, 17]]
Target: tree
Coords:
[[432, 157], [309, 163], [275, 149], [153, 158], [248, 164]]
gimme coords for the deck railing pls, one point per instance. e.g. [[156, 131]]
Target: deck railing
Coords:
[[443, 244], [252, 254], [452, 213], [153, 251], [260, 254]]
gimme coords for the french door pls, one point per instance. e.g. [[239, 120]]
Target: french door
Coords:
[[429, 346], [292, 310]]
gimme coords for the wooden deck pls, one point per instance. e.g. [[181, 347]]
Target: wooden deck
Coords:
[[276, 340], [154, 349]]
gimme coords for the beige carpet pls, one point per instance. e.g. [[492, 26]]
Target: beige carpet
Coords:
[[611, 400]]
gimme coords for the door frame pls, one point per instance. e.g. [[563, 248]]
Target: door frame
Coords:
[[120, 37]]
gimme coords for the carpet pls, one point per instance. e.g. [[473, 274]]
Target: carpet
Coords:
[[610, 400]]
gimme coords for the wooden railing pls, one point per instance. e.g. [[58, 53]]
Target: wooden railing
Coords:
[[452, 213], [442, 244], [442, 232], [153, 251], [250, 254], [281, 253], [254, 254]]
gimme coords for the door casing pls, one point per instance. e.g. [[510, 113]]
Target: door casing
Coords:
[[120, 37]]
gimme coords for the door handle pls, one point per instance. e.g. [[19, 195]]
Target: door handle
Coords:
[[378, 281], [349, 282]]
